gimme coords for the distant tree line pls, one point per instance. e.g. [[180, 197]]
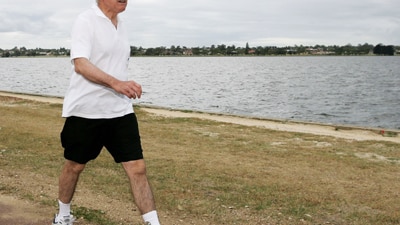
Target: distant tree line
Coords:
[[22, 51], [225, 50]]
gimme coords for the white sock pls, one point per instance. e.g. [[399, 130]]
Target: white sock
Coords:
[[64, 209], [151, 217]]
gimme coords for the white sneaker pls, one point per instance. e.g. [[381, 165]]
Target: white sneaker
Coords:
[[66, 220]]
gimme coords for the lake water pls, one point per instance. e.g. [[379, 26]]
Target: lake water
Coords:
[[361, 91]]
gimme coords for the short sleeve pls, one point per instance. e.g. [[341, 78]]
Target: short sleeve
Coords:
[[81, 38]]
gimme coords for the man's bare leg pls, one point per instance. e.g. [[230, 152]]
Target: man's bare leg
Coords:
[[68, 180], [141, 190], [67, 184], [142, 193]]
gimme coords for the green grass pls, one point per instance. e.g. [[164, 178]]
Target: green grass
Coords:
[[94, 216]]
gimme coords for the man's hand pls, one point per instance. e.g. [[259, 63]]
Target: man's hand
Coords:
[[129, 88]]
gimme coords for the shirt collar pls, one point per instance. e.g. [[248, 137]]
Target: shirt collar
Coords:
[[100, 13]]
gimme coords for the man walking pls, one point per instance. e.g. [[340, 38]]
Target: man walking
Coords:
[[98, 108]]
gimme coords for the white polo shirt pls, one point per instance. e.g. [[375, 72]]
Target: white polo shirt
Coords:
[[95, 37]]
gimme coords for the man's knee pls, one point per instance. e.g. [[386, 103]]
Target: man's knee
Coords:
[[135, 168], [73, 167]]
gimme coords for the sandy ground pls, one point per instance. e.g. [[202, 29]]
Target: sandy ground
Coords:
[[339, 131], [28, 214]]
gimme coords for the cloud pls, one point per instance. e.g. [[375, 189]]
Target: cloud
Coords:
[[154, 23]]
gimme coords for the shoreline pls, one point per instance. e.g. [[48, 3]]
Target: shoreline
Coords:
[[338, 131]]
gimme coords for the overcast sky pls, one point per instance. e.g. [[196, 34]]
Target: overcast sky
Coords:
[[192, 23]]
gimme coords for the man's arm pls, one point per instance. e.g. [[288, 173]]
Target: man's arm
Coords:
[[129, 88]]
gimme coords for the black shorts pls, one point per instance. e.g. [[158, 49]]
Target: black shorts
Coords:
[[83, 139]]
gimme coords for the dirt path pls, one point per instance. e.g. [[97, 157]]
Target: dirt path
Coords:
[[14, 211]]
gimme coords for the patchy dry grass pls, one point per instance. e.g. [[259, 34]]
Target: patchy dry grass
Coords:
[[206, 172]]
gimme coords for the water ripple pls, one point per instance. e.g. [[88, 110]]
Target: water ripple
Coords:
[[361, 91]]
